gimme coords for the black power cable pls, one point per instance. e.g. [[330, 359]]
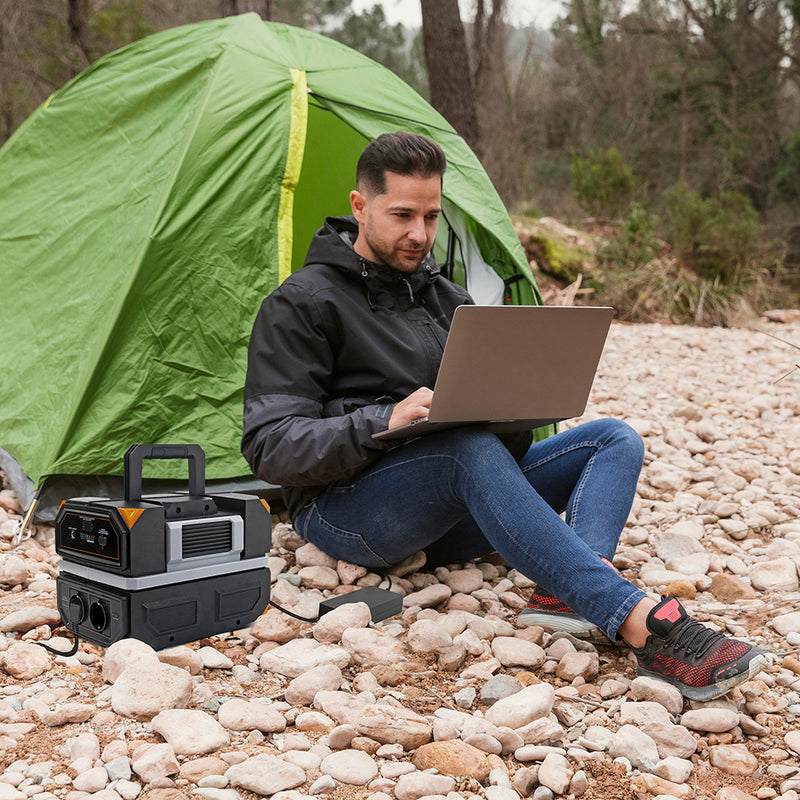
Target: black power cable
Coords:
[[74, 631], [77, 611]]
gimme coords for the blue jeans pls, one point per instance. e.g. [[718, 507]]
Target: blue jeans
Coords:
[[460, 494]]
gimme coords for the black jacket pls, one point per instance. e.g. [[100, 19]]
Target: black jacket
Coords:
[[332, 349]]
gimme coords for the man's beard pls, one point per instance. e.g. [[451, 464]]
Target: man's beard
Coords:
[[390, 256]]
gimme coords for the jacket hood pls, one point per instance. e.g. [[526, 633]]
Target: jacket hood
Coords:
[[333, 245]]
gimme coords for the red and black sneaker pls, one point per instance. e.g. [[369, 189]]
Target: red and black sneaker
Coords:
[[702, 663], [547, 611]]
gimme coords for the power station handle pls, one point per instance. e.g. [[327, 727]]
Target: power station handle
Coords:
[[137, 453]]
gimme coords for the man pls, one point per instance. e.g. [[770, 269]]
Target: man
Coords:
[[350, 345]]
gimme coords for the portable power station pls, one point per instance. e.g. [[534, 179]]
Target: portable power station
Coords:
[[166, 569]]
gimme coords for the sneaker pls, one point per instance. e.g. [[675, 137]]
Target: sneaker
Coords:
[[547, 611], [702, 663]]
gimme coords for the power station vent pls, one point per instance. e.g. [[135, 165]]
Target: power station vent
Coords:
[[205, 538]]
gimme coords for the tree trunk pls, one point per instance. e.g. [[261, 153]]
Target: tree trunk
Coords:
[[497, 118], [5, 95], [452, 92], [76, 22]]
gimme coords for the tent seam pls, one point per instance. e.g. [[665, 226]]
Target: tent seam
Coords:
[[298, 124], [344, 103]]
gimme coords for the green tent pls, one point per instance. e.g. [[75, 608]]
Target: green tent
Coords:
[[150, 204]]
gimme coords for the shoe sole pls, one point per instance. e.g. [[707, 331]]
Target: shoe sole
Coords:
[[577, 626], [754, 666]]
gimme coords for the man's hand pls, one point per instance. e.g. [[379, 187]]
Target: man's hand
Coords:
[[415, 406]]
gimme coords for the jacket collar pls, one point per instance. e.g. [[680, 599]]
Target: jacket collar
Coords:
[[385, 286]]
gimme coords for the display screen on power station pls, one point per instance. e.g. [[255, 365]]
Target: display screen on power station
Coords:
[[89, 535]]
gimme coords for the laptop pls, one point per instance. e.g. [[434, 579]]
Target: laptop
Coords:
[[512, 368]]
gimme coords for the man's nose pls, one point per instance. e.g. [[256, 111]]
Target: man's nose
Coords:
[[416, 231]]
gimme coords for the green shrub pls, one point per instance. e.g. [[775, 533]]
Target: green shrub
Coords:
[[785, 176], [719, 239], [634, 244], [714, 267], [603, 185]]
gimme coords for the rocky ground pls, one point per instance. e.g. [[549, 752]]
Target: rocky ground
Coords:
[[450, 699]]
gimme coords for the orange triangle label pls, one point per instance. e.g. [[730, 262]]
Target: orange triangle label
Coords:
[[266, 504], [130, 515]]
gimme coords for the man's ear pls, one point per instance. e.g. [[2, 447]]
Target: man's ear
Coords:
[[358, 203]]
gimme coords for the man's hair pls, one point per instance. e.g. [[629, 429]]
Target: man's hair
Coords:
[[402, 153]]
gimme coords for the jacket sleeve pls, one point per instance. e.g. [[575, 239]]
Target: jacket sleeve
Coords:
[[295, 434]]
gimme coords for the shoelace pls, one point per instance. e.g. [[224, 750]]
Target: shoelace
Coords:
[[692, 637]]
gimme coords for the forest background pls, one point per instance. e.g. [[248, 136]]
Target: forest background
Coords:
[[667, 131]]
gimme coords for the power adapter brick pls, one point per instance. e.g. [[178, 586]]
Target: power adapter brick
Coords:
[[382, 603]]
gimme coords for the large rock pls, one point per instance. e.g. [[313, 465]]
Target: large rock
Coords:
[[302, 689], [213, 659], [28, 618], [200, 768], [415, 785], [511, 651], [24, 660], [779, 575], [353, 767], [266, 775], [142, 691], [427, 636], [675, 547], [275, 626], [370, 647], [636, 746], [787, 623], [345, 708], [84, 745], [656, 691], [13, 571], [183, 657], [394, 725], [245, 715], [735, 759], [309, 555], [9, 792], [728, 588], [710, 719], [464, 581], [643, 713], [300, 655], [91, 780], [453, 758], [65, 713], [523, 707], [126, 653], [792, 739], [319, 577], [154, 762], [428, 597], [582, 664], [541, 731], [671, 740], [190, 733], [332, 625], [554, 773]]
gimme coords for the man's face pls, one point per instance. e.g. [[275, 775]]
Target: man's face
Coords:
[[398, 228]]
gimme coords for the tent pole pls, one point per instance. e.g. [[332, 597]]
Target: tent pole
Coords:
[[451, 246], [27, 520]]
